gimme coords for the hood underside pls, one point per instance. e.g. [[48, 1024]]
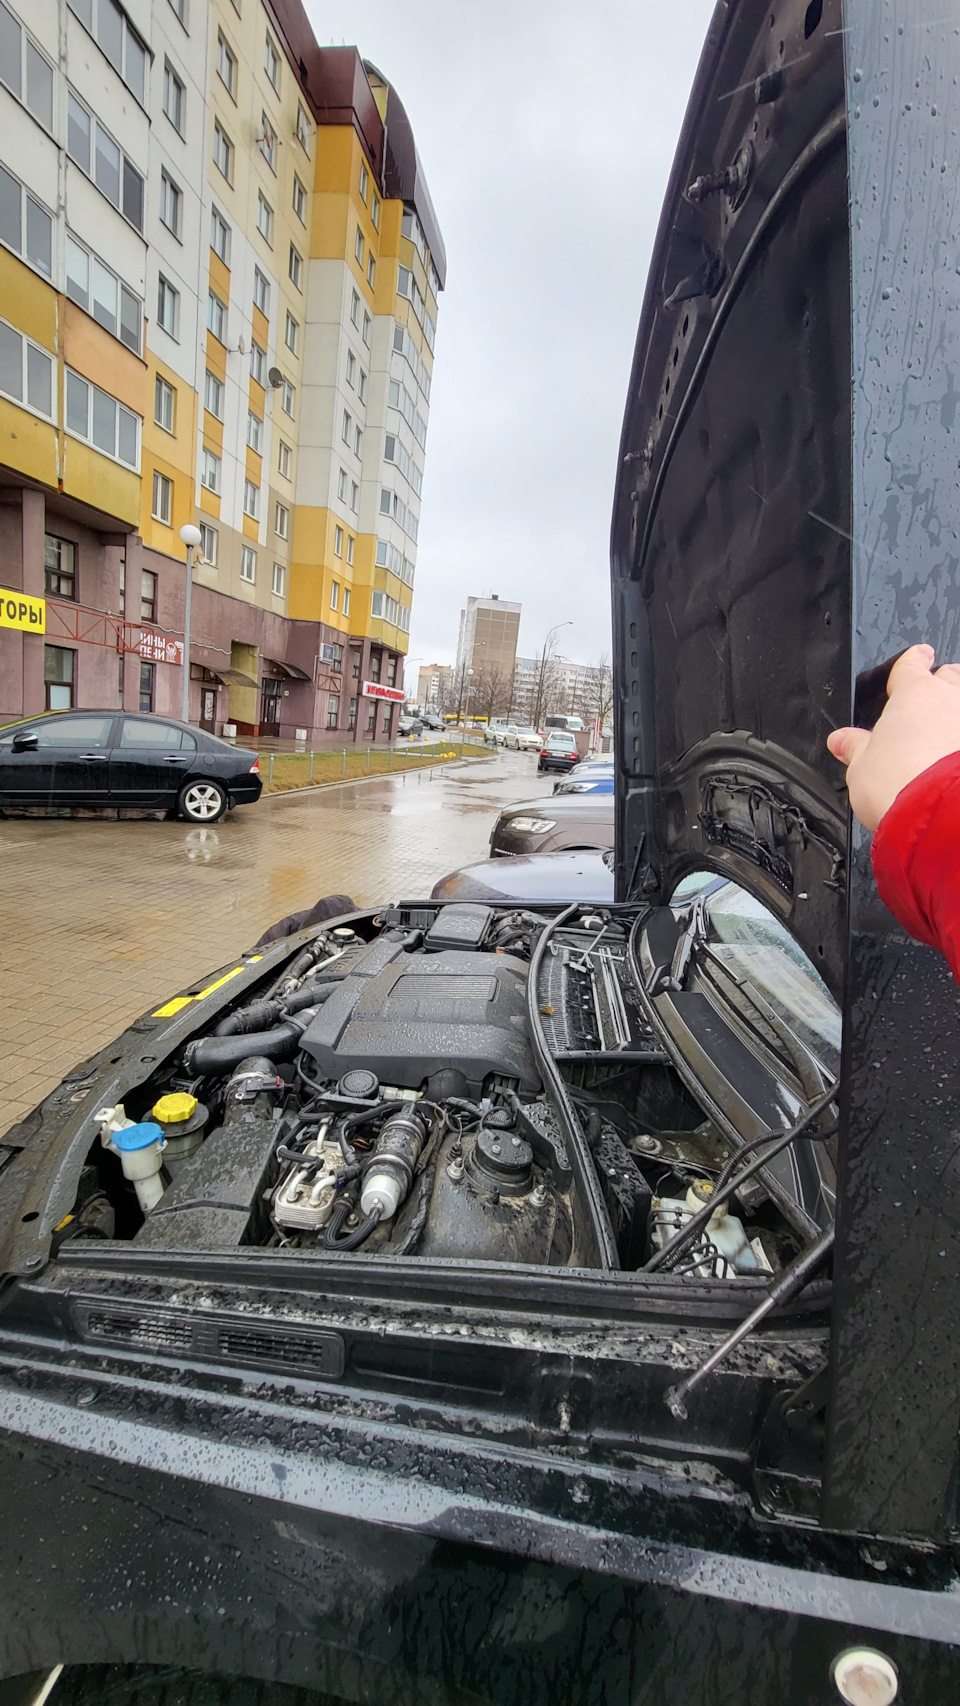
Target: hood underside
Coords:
[[730, 547]]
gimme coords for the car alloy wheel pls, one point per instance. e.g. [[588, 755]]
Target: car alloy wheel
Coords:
[[202, 802]]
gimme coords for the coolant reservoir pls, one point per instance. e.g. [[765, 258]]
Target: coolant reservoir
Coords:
[[181, 1118]]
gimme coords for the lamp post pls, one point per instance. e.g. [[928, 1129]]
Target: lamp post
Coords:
[[189, 536], [463, 677], [544, 660]]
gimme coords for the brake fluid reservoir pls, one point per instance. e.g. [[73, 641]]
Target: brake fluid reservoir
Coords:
[[724, 1230]]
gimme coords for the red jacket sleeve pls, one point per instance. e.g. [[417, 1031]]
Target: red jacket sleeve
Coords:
[[916, 858]]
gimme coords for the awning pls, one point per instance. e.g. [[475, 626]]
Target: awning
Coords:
[[289, 670], [233, 677]]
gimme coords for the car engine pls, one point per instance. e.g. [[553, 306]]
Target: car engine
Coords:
[[452, 1082]]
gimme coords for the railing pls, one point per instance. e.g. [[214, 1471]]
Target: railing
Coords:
[[282, 771]]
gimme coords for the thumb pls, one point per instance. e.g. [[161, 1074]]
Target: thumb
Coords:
[[911, 665], [846, 744]]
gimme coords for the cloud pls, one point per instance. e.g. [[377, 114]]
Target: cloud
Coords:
[[546, 132]]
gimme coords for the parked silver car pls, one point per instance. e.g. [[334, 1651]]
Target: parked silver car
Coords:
[[523, 740]]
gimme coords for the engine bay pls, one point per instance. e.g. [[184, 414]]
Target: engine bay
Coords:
[[447, 1082]]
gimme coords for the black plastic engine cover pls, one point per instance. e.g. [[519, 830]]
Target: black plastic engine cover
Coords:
[[424, 1011]]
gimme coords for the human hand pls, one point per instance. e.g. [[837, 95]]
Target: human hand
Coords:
[[920, 723]]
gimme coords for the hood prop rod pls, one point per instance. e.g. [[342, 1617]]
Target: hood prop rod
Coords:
[[791, 1281]]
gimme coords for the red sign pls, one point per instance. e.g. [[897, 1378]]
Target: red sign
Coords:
[[373, 690], [156, 648]]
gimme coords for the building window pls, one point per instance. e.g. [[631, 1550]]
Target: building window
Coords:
[[213, 395], [345, 429], [99, 292], [366, 329], [338, 541], [148, 596], [334, 594], [288, 398], [352, 718], [95, 416], [209, 544], [268, 142], [93, 149], [25, 226], [180, 8], [355, 309], [258, 363], [295, 267], [171, 204], [291, 336], [251, 499], [220, 236], [354, 496], [217, 317], [279, 579], [254, 432], [358, 441], [281, 521], [118, 41], [363, 386], [346, 601], [168, 306], [264, 218], [303, 130], [375, 213], [226, 66], [350, 545], [261, 292], [351, 368], [210, 470], [284, 459], [222, 151], [358, 245], [174, 97], [386, 501], [333, 710], [59, 664], [148, 674], [271, 62], [26, 372], [59, 567], [162, 498], [299, 200], [371, 271], [342, 485], [391, 672], [248, 565], [163, 404]]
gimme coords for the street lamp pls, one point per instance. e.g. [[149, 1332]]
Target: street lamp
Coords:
[[189, 536], [544, 659], [463, 681]]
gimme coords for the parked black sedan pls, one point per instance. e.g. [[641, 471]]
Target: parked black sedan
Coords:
[[108, 758]]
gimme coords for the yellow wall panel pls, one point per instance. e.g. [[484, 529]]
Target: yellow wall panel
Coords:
[[209, 502], [27, 302], [94, 479], [254, 467], [219, 278], [261, 327], [212, 432], [27, 444], [251, 528], [216, 357], [103, 359]]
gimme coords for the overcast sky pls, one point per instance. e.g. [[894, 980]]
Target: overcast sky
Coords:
[[546, 129]]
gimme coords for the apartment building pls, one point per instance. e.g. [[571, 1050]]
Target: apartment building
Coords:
[[219, 272], [487, 641]]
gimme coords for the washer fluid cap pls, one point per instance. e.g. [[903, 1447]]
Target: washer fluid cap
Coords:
[[177, 1106], [137, 1136]]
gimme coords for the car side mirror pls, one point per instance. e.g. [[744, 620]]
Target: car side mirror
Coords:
[[26, 742]]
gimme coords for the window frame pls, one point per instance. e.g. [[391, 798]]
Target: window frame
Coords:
[[222, 145], [89, 168], [172, 194], [172, 79], [71, 682], [229, 82], [163, 390], [338, 541], [248, 557], [279, 573], [295, 267], [293, 344], [89, 303], [162, 485], [127, 30], [281, 520], [299, 199], [219, 224], [303, 130], [258, 361], [207, 531], [87, 436], [254, 432], [214, 391], [251, 496], [57, 570], [167, 291], [267, 142], [288, 393], [265, 217], [284, 459], [211, 463], [148, 595], [28, 200], [217, 309], [271, 62], [261, 288]]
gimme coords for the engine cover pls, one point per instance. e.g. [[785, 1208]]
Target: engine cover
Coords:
[[422, 1012]]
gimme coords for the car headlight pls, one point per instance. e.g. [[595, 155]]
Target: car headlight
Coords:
[[530, 825]]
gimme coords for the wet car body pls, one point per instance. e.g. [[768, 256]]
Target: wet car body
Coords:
[[124, 760], [435, 1479], [551, 823]]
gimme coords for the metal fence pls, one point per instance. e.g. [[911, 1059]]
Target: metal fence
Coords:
[[282, 771]]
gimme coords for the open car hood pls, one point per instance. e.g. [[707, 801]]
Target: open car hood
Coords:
[[730, 550]]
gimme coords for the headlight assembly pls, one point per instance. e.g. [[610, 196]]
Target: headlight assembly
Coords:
[[529, 825]]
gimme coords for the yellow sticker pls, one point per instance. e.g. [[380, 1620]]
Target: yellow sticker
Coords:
[[178, 1002], [19, 611]]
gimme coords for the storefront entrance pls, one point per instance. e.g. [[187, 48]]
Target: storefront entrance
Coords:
[[270, 695]]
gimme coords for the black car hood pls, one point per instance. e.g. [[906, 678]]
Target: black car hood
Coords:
[[532, 878], [730, 551]]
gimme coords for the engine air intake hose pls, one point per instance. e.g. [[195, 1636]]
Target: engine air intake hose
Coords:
[[211, 1055], [260, 1014]]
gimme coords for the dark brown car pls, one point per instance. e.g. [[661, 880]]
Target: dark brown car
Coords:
[[553, 823]]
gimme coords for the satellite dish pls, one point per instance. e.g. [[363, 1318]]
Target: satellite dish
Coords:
[[275, 377]]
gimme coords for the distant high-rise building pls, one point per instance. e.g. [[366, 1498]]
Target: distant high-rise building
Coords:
[[488, 643]]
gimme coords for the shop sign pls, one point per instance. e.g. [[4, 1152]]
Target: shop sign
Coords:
[[19, 611], [156, 648], [373, 690]]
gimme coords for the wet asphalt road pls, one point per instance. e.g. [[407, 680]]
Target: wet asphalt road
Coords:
[[101, 921]]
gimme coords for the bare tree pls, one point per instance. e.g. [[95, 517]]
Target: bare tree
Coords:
[[595, 700], [492, 692]]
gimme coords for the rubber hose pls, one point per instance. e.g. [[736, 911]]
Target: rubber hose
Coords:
[[311, 997], [331, 1239], [211, 1055], [260, 1014]]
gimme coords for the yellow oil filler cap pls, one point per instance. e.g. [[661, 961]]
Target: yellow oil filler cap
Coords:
[[170, 1110]]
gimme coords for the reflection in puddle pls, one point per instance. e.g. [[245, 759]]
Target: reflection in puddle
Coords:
[[201, 845]]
